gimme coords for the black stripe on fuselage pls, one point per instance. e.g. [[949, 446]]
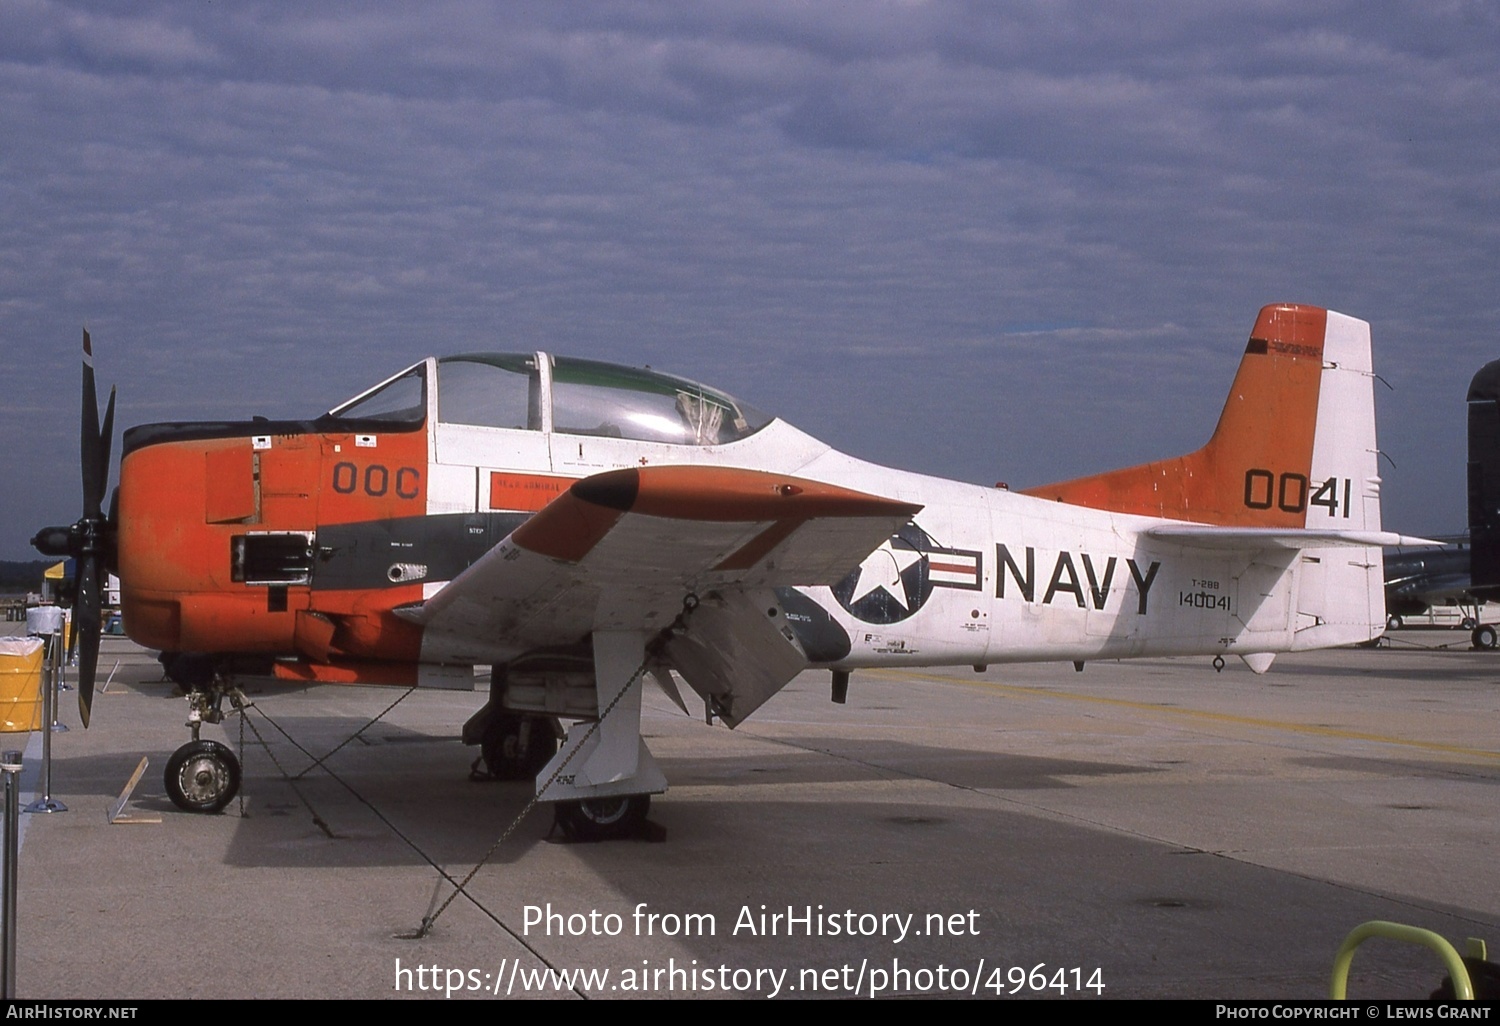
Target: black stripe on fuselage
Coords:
[[362, 556], [143, 435]]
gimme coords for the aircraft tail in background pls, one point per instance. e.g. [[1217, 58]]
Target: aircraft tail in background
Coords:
[[1484, 479]]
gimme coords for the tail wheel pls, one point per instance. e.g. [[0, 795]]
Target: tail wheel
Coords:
[[202, 776], [1393, 623], [603, 819]]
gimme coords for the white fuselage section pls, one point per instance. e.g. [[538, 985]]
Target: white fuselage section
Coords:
[[983, 575]]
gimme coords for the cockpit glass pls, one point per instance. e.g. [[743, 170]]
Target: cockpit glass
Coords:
[[594, 398], [589, 397], [402, 400], [501, 390]]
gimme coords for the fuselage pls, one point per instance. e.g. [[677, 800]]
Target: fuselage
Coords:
[[299, 540]]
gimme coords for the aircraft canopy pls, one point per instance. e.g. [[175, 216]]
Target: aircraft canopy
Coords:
[[539, 392]]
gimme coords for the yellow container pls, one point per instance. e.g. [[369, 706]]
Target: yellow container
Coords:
[[21, 684]]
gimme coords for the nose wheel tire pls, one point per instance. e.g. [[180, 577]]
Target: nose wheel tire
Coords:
[[603, 819], [202, 776]]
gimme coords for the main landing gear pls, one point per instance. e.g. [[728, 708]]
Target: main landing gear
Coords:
[[601, 781], [519, 746], [204, 776], [516, 747], [602, 819]]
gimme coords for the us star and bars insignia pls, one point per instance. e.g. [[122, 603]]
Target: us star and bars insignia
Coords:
[[896, 580]]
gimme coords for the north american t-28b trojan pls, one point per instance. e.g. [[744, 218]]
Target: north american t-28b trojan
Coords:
[[581, 528]]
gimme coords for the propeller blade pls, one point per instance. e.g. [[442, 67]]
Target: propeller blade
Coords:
[[106, 438], [87, 624], [112, 533], [95, 470], [91, 541], [73, 634]]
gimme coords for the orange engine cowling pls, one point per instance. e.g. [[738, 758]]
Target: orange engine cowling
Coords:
[[270, 537]]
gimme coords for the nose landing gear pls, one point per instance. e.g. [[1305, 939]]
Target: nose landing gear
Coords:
[[204, 776]]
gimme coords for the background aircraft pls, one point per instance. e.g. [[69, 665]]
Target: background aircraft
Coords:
[[1419, 581], [1465, 573], [1484, 481]]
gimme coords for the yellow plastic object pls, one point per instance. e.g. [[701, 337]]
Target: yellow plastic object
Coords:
[[1462, 988], [21, 683]]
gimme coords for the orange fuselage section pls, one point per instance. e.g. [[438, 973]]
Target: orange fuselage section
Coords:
[[220, 542], [1268, 421]]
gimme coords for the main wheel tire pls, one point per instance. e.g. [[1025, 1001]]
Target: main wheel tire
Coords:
[[509, 755], [603, 819], [202, 776], [1485, 636]]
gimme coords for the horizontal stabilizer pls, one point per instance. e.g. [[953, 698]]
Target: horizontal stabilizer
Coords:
[[1204, 536]]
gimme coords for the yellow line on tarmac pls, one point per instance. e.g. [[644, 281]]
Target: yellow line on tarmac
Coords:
[[1196, 714]]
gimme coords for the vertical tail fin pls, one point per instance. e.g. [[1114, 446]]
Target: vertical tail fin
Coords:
[[1294, 447]]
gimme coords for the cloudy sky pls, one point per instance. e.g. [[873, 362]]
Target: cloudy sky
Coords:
[[994, 241]]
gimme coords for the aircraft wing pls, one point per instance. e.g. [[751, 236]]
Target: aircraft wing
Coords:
[[619, 551], [1432, 588], [1204, 536]]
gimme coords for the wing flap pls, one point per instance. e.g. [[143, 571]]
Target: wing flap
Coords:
[[737, 652]]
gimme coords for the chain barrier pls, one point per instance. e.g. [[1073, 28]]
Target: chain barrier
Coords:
[[653, 651], [378, 717]]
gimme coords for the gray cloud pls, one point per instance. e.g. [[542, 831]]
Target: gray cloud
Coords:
[[1016, 241]]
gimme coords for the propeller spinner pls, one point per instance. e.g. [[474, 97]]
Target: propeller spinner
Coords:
[[90, 540]]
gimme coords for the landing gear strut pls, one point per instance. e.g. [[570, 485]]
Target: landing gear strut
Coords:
[[204, 776]]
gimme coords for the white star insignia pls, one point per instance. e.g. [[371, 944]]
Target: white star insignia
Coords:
[[882, 569]]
